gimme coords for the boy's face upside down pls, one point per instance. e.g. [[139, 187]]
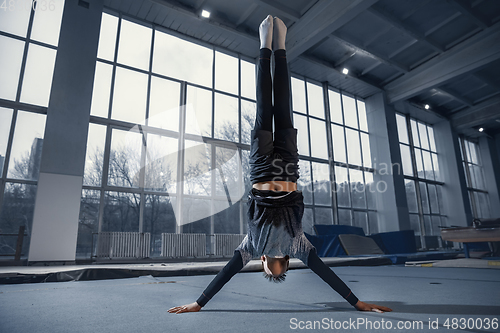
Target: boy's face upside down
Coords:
[[275, 266]]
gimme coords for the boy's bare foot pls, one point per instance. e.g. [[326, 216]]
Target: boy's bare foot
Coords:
[[279, 34], [266, 33]]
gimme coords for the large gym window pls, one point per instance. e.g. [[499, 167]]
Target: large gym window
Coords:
[[476, 186], [422, 179]]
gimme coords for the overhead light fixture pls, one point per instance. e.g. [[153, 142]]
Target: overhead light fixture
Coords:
[[205, 13], [427, 106], [481, 129], [345, 71]]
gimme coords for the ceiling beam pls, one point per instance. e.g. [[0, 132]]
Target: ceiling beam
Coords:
[[332, 69], [468, 56], [453, 95], [278, 9], [246, 14], [321, 20], [466, 10], [410, 31], [477, 115]]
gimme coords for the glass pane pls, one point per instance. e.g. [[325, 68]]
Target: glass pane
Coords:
[[424, 197], [130, 96], [467, 150], [308, 221], [88, 222], [371, 190], [478, 171], [5, 121], [473, 153], [435, 223], [247, 120], [228, 220], [196, 216], [429, 174], [38, 74], [298, 95], [363, 123], [432, 142], [159, 218], [411, 196], [10, 65], [361, 220], [95, 155], [134, 48], [406, 160], [321, 177], [436, 166], [415, 225], [304, 182], [121, 212], [17, 210], [323, 215], [472, 176], [350, 114], [161, 163], [26, 152], [102, 89], [164, 104], [424, 141], [226, 118], [339, 154], [433, 200], [319, 146], [199, 111], [335, 107], [420, 164], [439, 191], [342, 187], [247, 79], [197, 168], [300, 123], [107, 37], [427, 225], [226, 73], [414, 132], [483, 205], [15, 21], [357, 188], [373, 222], [187, 61], [47, 21], [227, 163], [315, 100], [367, 158], [345, 217], [402, 131], [353, 147], [245, 156], [125, 158]]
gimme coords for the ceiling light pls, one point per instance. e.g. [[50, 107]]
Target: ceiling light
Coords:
[[345, 71], [427, 106], [205, 13], [481, 129]]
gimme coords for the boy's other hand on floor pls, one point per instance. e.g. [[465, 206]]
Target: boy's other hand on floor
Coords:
[[362, 306], [193, 307]]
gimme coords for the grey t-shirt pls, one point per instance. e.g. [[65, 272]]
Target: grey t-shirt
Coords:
[[275, 226]]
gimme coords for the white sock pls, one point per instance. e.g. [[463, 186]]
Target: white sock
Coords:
[[279, 34], [266, 33]]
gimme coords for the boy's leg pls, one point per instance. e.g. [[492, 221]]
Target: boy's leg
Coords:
[[264, 116], [282, 112]]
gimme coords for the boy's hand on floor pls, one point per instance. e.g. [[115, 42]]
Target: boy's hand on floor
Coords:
[[362, 306], [193, 307]]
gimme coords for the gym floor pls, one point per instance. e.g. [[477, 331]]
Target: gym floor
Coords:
[[423, 299]]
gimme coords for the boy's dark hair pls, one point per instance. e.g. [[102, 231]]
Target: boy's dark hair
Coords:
[[275, 279]]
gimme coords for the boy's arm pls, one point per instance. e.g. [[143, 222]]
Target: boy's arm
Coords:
[[325, 273], [231, 268]]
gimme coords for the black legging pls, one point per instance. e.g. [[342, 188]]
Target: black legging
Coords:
[[265, 88]]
